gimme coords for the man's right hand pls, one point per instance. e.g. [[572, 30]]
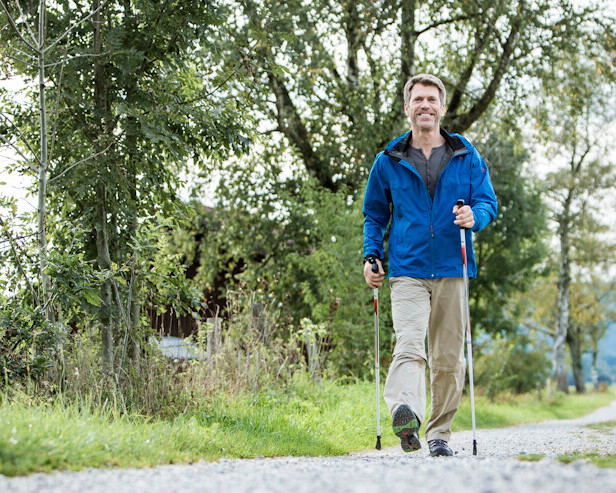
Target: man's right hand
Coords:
[[374, 279]]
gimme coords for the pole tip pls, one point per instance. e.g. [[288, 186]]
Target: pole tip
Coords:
[[378, 443], [474, 447]]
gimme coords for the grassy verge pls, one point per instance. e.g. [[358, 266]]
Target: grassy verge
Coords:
[[510, 410], [600, 460], [306, 419]]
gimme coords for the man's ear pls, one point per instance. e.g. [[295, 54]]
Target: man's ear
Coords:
[[406, 109]]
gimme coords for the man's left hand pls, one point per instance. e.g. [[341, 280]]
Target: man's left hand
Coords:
[[464, 216]]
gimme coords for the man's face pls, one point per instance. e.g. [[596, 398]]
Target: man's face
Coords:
[[425, 108]]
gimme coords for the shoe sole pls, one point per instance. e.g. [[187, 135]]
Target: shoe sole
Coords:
[[405, 425]]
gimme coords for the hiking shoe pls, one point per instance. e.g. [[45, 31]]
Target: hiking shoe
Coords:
[[439, 448], [406, 426]]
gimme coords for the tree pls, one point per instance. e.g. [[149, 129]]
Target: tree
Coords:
[[328, 75], [135, 91], [576, 111], [32, 39], [591, 312]]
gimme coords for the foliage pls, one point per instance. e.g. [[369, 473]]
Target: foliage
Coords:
[[333, 98], [302, 253], [511, 252], [29, 345], [134, 94], [511, 364]]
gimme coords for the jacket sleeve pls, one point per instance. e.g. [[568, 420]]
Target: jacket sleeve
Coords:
[[376, 209], [483, 199]]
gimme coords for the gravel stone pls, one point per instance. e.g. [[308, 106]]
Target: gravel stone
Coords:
[[496, 468]]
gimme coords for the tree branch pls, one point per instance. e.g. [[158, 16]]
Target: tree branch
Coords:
[[460, 89], [70, 29], [443, 22], [295, 130], [92, 156], [19, 265], [24, 140], [459, 123], [15, 28], [21, 13]]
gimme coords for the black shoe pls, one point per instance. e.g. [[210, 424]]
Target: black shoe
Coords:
[[439, 448], [406, 426]]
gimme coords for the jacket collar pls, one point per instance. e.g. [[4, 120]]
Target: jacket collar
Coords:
[[398, 146]]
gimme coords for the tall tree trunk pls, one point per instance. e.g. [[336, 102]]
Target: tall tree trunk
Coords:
[[102, 219], [564, 299], [575, 348], [42, 180], [134, 307]]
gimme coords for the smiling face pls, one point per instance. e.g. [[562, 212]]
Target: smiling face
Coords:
[[425, 108]]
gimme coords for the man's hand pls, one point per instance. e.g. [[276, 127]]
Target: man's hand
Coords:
[[464, 216], [374, 279]]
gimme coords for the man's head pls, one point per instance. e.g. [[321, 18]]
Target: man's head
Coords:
[[424, 101], [424, 80]]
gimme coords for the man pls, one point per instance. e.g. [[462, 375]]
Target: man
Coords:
[[414, 184]]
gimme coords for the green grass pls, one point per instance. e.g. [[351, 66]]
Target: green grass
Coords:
[[606, 426], [605, 461], [600, 460], [531, 457], [308, 419], [527, 408]]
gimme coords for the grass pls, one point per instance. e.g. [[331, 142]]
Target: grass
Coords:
[[510, 410], [600, 460], [531, 457], [605, 461], [307, 419]]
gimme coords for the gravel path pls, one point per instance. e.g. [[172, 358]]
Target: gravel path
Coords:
[[495, 469]]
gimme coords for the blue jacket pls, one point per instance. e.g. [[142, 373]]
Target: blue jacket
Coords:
[[423, 240]]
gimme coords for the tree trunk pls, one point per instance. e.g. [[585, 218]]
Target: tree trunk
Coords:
[[42, 180], [104, 262], [593, 371], [101, 218], [564, 299], [575, 348], [134, 308], [408, 39]]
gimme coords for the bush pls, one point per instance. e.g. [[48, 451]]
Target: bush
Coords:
[[29, 344], [510, 364]]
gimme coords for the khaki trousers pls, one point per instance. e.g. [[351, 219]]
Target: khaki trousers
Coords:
[[435, 306]]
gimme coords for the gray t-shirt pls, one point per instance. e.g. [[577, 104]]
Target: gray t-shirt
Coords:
[[429, 169]]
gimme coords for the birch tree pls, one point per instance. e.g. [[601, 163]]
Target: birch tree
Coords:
[[30, 47], [575, 120]]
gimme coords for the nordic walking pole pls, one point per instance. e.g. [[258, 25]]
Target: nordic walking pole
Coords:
[[377, 369], [469, 342]]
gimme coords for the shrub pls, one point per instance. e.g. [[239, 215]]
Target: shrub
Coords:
[[510, 364]]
